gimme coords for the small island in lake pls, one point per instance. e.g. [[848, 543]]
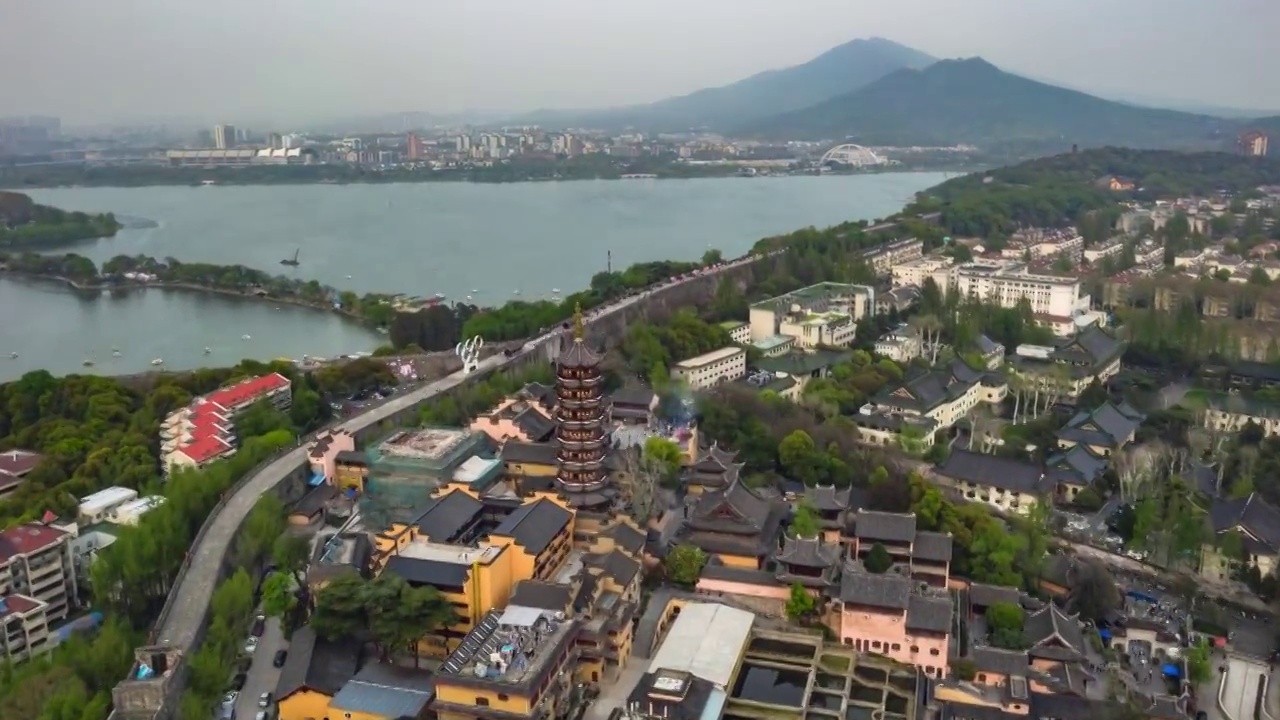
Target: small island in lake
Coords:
[[26, 224]]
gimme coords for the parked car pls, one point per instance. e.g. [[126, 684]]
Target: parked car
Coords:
[[281, 656], [265, 700], [259, 625], [237, 682], [251, 645]]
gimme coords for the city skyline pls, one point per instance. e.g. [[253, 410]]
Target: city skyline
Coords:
[[325, 60]]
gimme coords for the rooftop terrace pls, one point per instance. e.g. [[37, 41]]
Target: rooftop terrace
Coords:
[[457, 554], [432, 444], [814, 297], [508, 647]]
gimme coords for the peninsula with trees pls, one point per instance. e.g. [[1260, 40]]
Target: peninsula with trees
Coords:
[[27, 224]]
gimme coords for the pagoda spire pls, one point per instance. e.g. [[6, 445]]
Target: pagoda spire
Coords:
[[577, 322]]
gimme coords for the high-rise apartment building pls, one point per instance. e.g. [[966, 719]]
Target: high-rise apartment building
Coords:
[[415, 149], [1253, 144], [224, 136]]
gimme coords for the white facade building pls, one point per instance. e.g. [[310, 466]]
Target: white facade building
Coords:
[[716, 367], [99, 506], [1009, 285]]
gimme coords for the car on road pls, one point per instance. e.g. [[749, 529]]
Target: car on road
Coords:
[[259, 626], [262, 715], [281, 656], [264, 701], [251, 645]]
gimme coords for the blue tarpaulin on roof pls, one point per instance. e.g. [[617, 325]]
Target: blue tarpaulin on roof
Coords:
[[1172, 670], [1104, 634], [1144, 597], [316, 479]]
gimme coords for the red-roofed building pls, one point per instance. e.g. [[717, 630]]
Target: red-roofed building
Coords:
[[25, 624], [205, 430], [36, 561], [15, 465]]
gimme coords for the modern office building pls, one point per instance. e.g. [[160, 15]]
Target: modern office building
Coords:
[[224, 137]]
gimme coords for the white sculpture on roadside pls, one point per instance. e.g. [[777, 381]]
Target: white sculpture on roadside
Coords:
[[469, 351]]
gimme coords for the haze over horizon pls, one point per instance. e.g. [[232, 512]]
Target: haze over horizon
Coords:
[[294, 62]]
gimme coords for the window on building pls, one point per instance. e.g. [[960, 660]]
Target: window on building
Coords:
[[503, 697], [896, 646], [482, 701], [933, 651]]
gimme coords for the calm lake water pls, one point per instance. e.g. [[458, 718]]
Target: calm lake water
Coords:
[[459, 239]]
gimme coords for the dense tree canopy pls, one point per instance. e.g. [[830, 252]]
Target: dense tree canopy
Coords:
[[1062, 189]]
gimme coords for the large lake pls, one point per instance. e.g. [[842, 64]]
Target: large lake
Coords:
[[481, 240]]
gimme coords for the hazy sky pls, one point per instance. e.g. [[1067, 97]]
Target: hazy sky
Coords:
[[293, 61]]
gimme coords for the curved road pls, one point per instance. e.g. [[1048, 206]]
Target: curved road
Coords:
[[189, 600]]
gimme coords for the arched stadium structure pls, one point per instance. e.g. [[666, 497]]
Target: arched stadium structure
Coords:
[[852, 156]]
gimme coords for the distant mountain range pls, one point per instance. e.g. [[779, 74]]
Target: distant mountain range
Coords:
[[974, 102], [877, 92], [839, 70]]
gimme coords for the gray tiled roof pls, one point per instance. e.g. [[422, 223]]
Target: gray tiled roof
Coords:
[[932, 546], [316, 664], [626, 537], [929, 614], [1078, 463], [983, 595], [418, 571], [890, 527], [733, 509], [1107, 425], [386, 690], [535, 453], [640, 395], [881, 591], [992, 471], [614, 564], [541, 594], [998, 660], [1253, 515], [534, 525], [827, 497], [445, 517], [808, 552], [1049, 625]]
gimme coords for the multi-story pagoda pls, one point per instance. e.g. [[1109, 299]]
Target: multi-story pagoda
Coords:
[[580, 423]]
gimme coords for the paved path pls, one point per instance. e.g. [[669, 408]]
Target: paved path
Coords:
[[1241, 694], [190, 598], [614, 694], [263, 676]]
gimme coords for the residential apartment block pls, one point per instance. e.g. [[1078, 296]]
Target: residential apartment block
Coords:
[[204, 431], [1009, 284], [36, 562], [24, 622], [14, 466], [883, 258]]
